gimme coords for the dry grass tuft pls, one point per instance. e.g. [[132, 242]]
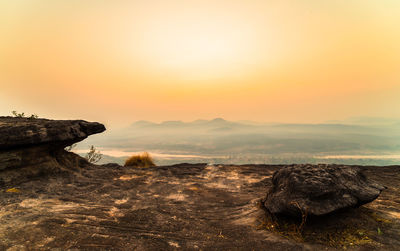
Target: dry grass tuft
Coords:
[[340, 231], [140, 160], [290, 228]]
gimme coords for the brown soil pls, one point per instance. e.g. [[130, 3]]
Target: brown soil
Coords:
[[183, 207]]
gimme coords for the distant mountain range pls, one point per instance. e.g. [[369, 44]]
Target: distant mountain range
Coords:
[[219, 136], [362, 121], [366, 126], [178, 123]]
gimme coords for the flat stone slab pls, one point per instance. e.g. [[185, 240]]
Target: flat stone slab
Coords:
[[319, 189], [26, 132], [181, 207]]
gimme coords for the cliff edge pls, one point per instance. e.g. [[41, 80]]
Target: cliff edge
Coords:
[[32, 147]]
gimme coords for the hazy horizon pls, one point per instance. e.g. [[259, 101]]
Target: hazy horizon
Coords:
[[367, 141]]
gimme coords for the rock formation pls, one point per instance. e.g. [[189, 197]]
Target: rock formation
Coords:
[[31, 147], [319, 190]]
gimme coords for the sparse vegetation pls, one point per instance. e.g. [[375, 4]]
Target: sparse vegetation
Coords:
[[93, 156], [287, 227], [342, 230], [22, 115], [140, 160]]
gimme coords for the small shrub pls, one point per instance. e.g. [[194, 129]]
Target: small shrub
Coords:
[[140, 160], [18, 115], [22, 115], [93, 155]]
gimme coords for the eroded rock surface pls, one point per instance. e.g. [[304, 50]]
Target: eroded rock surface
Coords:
[[319, 189], [34, 147], [25, 132], [181, 207]]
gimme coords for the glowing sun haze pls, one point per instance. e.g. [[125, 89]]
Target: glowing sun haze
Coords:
[[121, 61]]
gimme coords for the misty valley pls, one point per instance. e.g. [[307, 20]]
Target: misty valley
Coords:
[[358, 141]]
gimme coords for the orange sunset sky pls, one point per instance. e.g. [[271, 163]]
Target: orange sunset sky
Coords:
[[279, 61]]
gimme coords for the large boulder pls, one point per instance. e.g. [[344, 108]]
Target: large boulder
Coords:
[[30, 147], [319, 190]]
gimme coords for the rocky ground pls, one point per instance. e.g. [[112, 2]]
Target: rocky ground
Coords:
[[51, 199], [172, 207]]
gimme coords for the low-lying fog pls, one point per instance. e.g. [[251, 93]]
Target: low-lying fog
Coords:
[[366, 141]]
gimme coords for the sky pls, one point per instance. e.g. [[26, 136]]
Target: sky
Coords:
[[273, 61]]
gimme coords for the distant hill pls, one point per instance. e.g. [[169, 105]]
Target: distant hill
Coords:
[[177, 124], [142, 123]]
